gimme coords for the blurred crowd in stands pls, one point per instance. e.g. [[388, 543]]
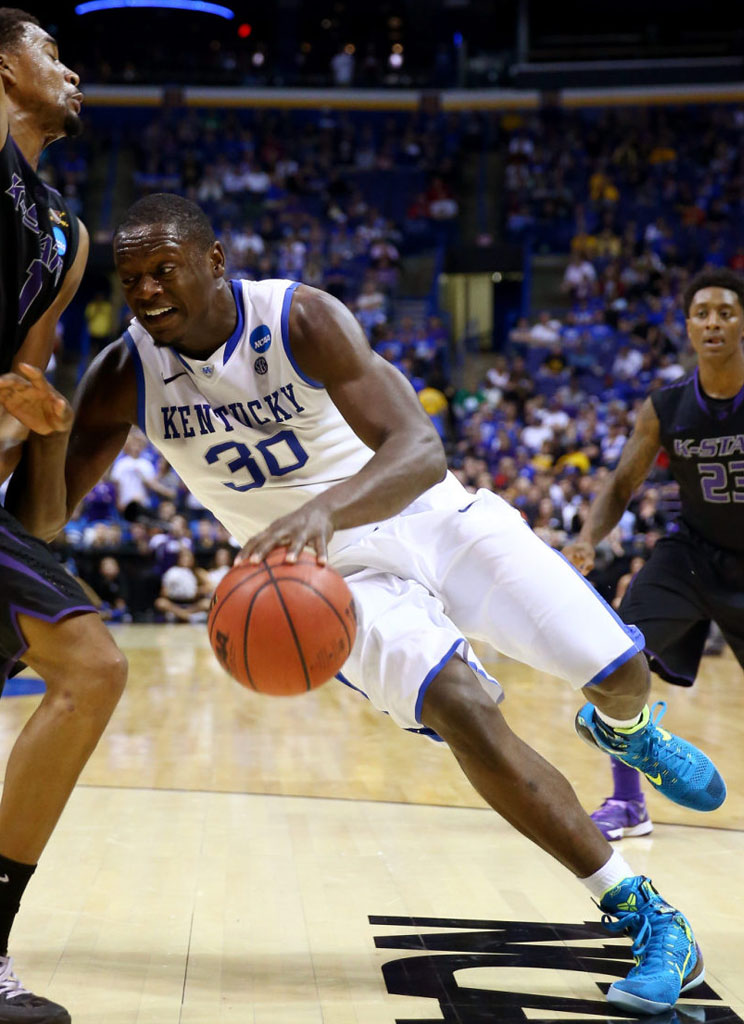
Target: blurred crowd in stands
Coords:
[[637, 201]]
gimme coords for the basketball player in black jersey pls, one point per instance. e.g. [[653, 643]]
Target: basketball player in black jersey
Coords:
[[695, 575], [45, 618]]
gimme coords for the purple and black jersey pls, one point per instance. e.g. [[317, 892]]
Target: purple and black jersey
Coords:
[[704, 438], [38, 243]]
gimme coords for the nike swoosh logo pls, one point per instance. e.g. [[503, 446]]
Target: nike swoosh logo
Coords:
[[167, 380], [655, 780], [4, 879], [681, 970]]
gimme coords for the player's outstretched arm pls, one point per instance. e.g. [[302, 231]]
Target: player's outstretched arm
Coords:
[[59, 467], [635, 463], [38, 483], [380, 406], [105, 405]]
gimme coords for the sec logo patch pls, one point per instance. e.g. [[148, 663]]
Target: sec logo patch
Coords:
[[260, 365], [260, 338]]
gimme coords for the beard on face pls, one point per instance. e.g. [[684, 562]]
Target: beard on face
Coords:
[[72, 125]]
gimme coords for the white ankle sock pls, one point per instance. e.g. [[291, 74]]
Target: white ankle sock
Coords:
[[612, 872], [618, 723]]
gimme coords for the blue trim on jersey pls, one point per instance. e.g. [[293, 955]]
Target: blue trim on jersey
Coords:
[[419, 732], [431, 676], [182, 361], [482, 672], [140, 376], [608, 669], [342, 679], [288, 295], [632, 632], [232, 342]]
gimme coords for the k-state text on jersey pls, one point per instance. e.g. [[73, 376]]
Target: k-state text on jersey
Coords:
[[708, 447]]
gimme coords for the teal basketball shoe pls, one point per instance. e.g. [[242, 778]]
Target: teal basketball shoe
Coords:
[[673, 766], [668, 961]]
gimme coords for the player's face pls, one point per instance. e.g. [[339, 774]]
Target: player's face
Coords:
[[170, 285], [715, 324], [43, 86]]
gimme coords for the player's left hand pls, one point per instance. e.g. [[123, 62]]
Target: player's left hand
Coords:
[[33, 401], [308, 527]]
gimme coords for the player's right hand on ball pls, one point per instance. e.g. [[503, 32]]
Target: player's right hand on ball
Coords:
[[580, 554], [309, 526], [33, 401]]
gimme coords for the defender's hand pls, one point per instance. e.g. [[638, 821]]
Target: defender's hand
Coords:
[[305, 528], [580, 554], [33, 401]]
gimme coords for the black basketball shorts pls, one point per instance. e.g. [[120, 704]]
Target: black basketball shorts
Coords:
[[684, 586], [32, 582]]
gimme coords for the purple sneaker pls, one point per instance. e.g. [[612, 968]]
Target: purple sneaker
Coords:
[[620, 819]]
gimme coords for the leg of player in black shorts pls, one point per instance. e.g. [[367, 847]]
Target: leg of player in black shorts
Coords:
[[47, 620], [668, 602]]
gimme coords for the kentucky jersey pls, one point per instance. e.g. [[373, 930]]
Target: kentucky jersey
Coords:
[[250, 435], [704, 438], [39, 240]]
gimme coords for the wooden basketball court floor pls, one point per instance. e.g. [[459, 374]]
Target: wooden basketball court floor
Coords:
[[235, 859]]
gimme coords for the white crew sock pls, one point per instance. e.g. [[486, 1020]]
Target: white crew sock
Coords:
[[614, 871], [618, 723]]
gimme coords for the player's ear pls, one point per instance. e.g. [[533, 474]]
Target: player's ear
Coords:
[[6, 69], [217, 260]]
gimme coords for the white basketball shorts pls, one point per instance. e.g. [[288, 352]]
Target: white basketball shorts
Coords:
[[426, 582]]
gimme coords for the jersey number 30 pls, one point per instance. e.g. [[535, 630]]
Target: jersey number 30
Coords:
[[280, 454]]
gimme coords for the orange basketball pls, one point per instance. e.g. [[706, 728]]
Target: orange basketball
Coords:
[[282, 628]]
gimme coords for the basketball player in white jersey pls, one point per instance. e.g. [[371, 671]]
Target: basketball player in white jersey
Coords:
[[267, 400]]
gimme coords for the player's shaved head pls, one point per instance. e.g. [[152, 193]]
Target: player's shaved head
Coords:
[[165, 208]]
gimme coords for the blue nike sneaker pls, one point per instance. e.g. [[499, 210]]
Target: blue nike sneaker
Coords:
[[672, 766], [668, 961]]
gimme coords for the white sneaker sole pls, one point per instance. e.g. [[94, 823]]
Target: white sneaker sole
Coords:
[[636, 1004], [641, 829]]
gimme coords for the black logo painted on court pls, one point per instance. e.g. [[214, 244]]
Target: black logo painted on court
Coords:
[[512, 946], [260, 365]]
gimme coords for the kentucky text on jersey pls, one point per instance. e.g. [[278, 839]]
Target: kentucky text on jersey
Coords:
[[201, 418], [708, 447]]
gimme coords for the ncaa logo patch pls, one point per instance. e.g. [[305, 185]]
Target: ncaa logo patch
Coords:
[[260, 365], [60, 239], [260, 338], [207, 370]]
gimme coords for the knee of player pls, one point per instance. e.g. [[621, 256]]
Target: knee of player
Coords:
[[92, 680], [459, 710], [630, 678], [109, 673]]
